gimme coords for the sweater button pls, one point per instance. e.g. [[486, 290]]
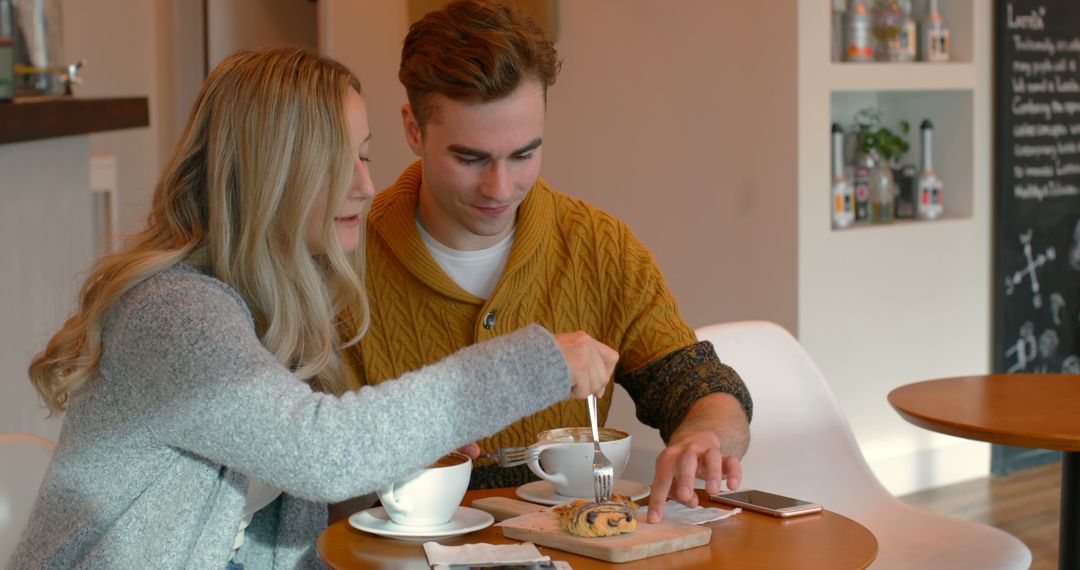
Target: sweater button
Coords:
[[489, 320]]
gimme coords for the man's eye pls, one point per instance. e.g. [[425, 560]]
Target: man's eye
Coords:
[[525, 156], [470, 160]]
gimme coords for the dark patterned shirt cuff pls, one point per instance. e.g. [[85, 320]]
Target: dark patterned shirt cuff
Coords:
[[665, 389], [492, 476]]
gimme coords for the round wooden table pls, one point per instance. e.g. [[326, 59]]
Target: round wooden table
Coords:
[[747, 540], [1026, 410]]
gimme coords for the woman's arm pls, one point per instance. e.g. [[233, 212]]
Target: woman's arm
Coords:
[[186, 352]]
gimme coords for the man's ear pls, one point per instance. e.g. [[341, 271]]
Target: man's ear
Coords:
[[412, 130]]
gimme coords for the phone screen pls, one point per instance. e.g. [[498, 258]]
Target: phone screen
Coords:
[[763, 499]]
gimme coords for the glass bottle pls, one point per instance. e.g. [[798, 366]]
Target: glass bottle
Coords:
[[860, 178], [858, 32], [38, 27], [888, 23], [909, 45], [7, 52], [882, 190], [935, 42], [837, 40]]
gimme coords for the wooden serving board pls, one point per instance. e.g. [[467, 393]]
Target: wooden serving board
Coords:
[[537, 524]]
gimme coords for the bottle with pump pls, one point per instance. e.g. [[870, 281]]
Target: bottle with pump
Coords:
[[929, 204], [858, 32], [935, 41], [843, 194]]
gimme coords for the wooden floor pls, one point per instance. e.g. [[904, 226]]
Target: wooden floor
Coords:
[[1025, 504]]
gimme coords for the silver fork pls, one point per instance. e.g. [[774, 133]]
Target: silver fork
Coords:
[[602, 471], [512, 456]]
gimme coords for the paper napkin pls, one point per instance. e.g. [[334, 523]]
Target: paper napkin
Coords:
[[678, 512], [443, 557]]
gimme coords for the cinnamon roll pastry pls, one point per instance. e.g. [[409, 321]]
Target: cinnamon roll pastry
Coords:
[[590, 519]]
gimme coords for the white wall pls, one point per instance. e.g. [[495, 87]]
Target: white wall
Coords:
[[880, 307], [45, 229]]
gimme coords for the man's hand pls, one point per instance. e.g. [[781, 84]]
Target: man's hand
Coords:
[[707, 445]]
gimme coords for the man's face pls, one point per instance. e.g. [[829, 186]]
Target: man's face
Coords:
[[479, 161]]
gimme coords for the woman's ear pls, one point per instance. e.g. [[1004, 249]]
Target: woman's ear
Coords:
[[413, 136]]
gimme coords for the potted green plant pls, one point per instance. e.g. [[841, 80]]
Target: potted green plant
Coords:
[[872, 135], [880, 150]]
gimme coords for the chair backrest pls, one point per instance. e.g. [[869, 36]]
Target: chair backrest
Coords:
[[24, 458], [801, 444]]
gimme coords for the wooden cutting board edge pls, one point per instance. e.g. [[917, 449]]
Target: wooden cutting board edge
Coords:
[[606, 549], [609, 549]]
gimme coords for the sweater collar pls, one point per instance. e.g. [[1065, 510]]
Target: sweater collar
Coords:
[[393, 218]]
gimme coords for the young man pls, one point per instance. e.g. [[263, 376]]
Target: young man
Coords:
[[470, 243]]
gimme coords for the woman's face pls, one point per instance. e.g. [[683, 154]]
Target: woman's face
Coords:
[[349, 214]]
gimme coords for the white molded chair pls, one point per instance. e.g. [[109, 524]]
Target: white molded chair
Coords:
[[801, 445], [24, 459]]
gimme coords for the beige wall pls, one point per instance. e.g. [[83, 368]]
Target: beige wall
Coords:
[[659, 117], [122, 60], [240, 24], [150, 48]]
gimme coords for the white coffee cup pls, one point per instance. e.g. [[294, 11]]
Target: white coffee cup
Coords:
[[430, 496], [566, 458]]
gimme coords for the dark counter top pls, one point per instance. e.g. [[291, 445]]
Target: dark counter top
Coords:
[[40, 118]]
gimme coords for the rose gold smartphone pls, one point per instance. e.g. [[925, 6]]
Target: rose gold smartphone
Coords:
[[767, 503]]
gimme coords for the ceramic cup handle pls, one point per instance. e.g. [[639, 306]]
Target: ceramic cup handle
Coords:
[[557, 479], [390, 500]]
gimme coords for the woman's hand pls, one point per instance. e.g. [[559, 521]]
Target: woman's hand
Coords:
[[591, 363], [472, 450]]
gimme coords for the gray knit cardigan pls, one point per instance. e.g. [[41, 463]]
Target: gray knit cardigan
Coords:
[[155, 455]]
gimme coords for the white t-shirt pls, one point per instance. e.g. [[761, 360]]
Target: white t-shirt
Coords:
[[474, 271], [258, 496]]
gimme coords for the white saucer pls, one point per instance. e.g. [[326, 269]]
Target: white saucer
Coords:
[[376, 521], [543, 492]]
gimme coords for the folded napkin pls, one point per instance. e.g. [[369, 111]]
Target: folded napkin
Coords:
[[482, 554], [677, 512]]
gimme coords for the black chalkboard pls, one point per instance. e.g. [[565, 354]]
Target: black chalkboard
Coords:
[[1037, 186]]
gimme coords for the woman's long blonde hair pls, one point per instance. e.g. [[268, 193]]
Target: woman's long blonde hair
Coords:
[[267, 134]]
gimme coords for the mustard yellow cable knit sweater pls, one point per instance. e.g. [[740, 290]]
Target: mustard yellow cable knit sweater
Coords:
[[572, 267]]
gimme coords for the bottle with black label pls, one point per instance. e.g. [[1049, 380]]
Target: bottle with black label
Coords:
[[930, 205], [935, 38], [843, 195]]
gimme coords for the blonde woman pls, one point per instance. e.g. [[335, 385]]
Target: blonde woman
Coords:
[[207, 422]]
